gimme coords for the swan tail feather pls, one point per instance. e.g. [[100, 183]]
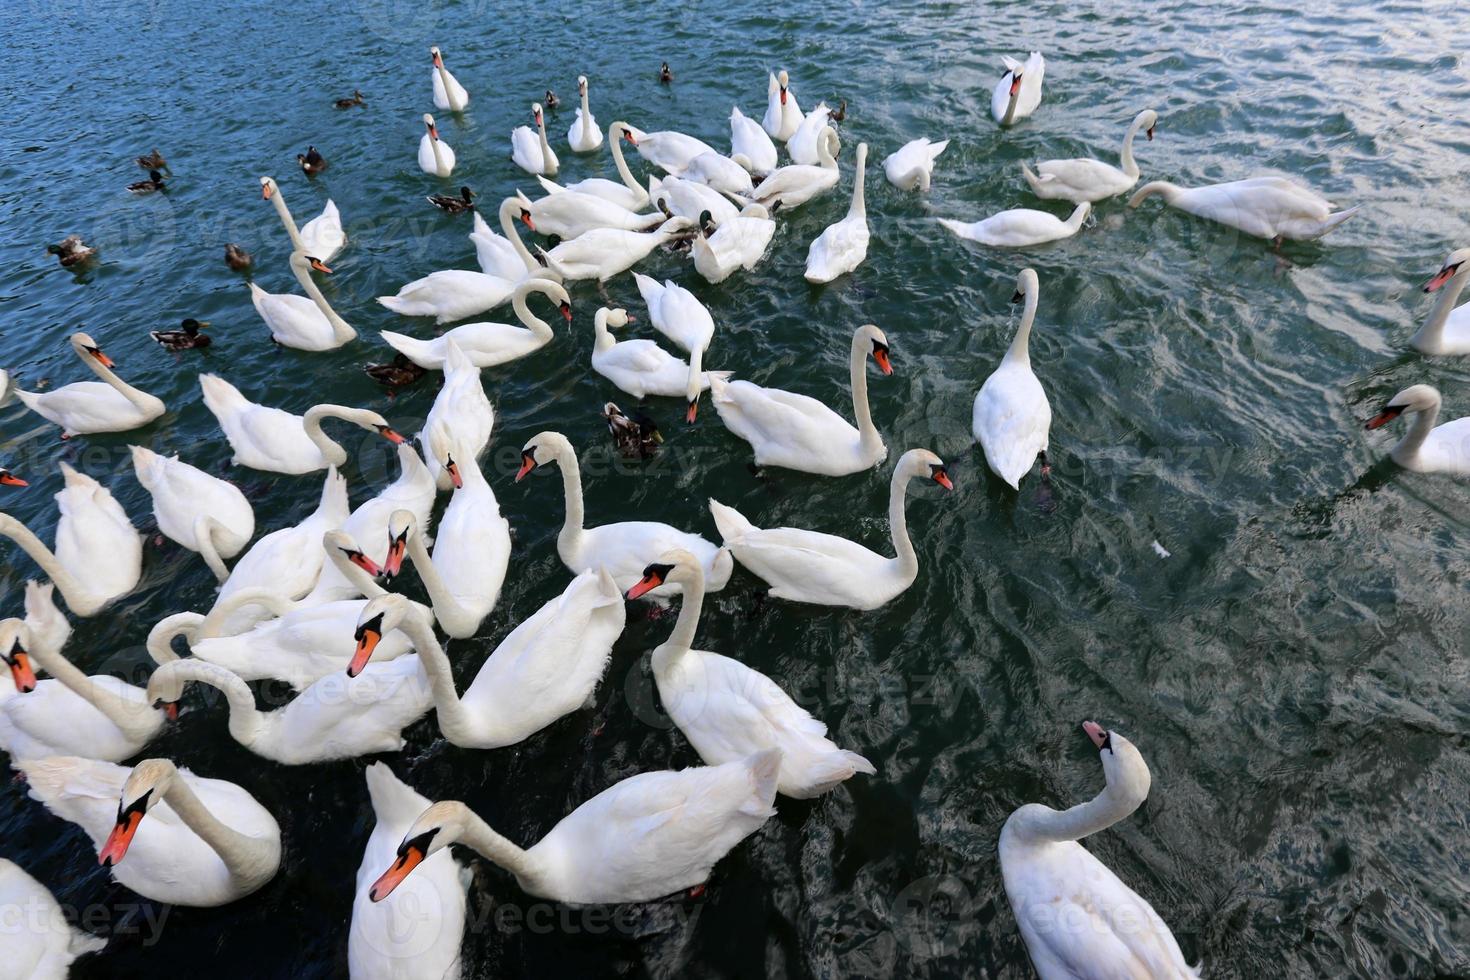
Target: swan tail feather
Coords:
[[765, 769], [1333, 220], [393, 800], [409, 347], [733, 525], [221, 397], [958, 227]]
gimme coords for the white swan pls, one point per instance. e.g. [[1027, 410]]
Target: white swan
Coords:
[[48, 629], [304, 643], [1447, 331], [303, 322], [449, 95], [450, 294], [530, 151], [719, 172], [1085, 179], [808, 566], [680, 316], [750, 145], [800, 433], [842, 245], [471, 552], [367, 526], [729, 711], [1426, 447], [584, 136], [646, 837], [1077, 917], [796, 184], [911, 166], [1012, 418], [802, 146], [1020, 227], [435, 156], [624, 548], [569, 214], [322, 236], [488, 344], [666, 149], [70, 713], [276, 441], [335, 717], [1018, 92], [783, 114], [415, 934], [1266, 207], [99, 554], [289, 561], [545, 668], [495, 253], [736, 243], [201, 512], [625, 194], [640, 367], [689, 198], [461, 419], [169, 835], [39, 944], [606, 252], [83, 407]]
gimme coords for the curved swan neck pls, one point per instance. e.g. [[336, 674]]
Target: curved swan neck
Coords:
[[681, 639], [439, 169], [546, 164], [204, 531], [825, 157], [453, 720], [331, 450], [161, 636], [137, 398], [623, 171], [1169, 192], [132, 717], [1431, 336], [279, 200], [447, 609], [248, 859], [1098, 813], [508, 228], [603, 339], [480, 837], [522, 308], [857, 371], [247, 723], [341, 331], [1125, 158], [1408, 447], [908, 560], [1020, 349], [77, 598], [212, 624], [571, 481]]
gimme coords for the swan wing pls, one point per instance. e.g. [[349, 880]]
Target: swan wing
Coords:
[[1011, 419], [840, 248], [323, 235]]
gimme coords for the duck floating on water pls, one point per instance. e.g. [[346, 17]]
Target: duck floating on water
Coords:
[[237, 258], [187, 338], [838, 114], [71, 251], [153, 161], [312, 162], [634, 435], [452, 204], [552, 102], [349, 103], [664, 75], [153, 183], [399, 374]]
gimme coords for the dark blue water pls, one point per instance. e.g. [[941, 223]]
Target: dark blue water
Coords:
[[1294, 674]]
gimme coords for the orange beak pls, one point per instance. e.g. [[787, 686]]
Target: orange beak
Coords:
[[693, 411], [265, 192], [628, 135], [1015, 84], [11, 480], [170, 710], [102, 358], [452, 468], [320, 266], [566, 312], [397, 547], [438, 61], [433, 132], [363, 562], [941, 477], [21, 672], [116, 846], [645, 585], [880, 357], [783, 96], [1383, 418], [1441, 277], [526, 217], [391, 435], [1096, 733], [393, 877], [368, 639], [528, 463]]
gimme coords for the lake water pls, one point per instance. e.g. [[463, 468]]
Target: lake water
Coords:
[[1295, 674]]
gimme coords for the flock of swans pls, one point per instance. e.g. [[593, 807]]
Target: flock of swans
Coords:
[[307, 605]]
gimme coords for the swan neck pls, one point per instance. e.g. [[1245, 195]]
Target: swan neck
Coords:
[[447, 610], [508, 228], [279, 200], [857, 371], [627, 175], [908, 561], [480, 837], [341, 331], [603, 340], [133, 395], [161, 636], [212, 625], [453, 720], [248, 859], [535, 324], [571, 481], [449, 93], [681, 640], [204, 530], [71, 590], [1413, 440], [1431, 336], [859, 207], [131, 717], [1010, 115], [330, 449], [1020, 350], [1125, 158], [1098, 813]]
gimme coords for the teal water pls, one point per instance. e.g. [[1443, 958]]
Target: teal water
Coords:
[[1294, 674]]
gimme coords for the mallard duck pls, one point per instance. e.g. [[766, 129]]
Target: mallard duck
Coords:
[[401, 373], [312, 162], [838, 114], [71, 250], [454, 205], [552, 102], [634, 435], [664, 75], [349, 103], [9, 479], [236, 257], [153, 183], [153, 161], [188, 338]]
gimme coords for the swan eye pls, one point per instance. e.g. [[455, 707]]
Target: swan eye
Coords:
[[1107, 742], [374, 625]]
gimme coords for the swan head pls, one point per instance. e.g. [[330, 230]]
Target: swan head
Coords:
[[615, 319], [1415, 398], [1026, 285], [441, 447], [676, 565], [340, 541], [783, 80], [581, 84], [536, 112], [379, 617], [921, 462], [541, 449], [9, 479], [435, 829], [436, 58], [1146, 121], [84, 344], [629, 132], [402, 523], [870, 340], [267, 188], [1457, 264], [1126, 773], [14, 639], [301, 262], [145, 788]]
